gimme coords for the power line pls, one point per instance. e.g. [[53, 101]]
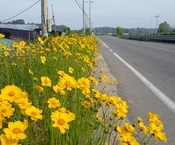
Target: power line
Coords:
[[79, 5], [20, 12], [84, 13], [119, 20]]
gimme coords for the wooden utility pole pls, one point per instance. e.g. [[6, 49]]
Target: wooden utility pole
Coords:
[[44, 17]]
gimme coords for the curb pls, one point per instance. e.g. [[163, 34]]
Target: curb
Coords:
[[102, 69]]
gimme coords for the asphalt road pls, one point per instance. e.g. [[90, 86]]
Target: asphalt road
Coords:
[[146, 75]]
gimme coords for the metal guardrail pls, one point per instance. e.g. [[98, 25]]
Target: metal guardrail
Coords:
[[151, 37]]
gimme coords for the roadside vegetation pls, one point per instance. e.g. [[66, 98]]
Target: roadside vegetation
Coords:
[[47, 97]]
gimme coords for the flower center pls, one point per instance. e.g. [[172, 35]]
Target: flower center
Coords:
[[4, 110], [61, 121], [11, 94], [16, 130], [53, 103], [1, 100], [33, 113]]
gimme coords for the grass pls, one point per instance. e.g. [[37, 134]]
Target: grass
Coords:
[[48, 97]]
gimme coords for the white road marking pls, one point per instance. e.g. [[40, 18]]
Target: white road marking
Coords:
[[110, 50], [104, 44], [163, 97]]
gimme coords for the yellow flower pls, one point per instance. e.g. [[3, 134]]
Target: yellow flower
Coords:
[[105, 79], [61, 73], [129, 127], [86, 104], [5, 141], [83, 69], [71, 115], [43, 59], [14, 64], [142, 125], [1, 35], [11, 93], [40, 41], [67, 82], [6, 110], [121, 110], [128, 140], [45, 81], [53, 102], [59, 89], [116, 82], [22, 44], [126, 137], [15, 130], [157, 133], [30, 71], [61, 120], [25, 94], [71, 70], [123, 131], [93, 79], [98, 117], [23, 103], [153, 117], [39, 88], [34, 113], [55, 58], [6, 53], [35, 78], [84, 85]]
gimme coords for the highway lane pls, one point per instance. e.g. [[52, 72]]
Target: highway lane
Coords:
[[156, 63]]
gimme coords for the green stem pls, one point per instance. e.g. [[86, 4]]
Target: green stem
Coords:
[[148, 139]]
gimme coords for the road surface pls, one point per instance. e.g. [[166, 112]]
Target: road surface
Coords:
[[146, 75]]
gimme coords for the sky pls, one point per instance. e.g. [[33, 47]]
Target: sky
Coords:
[[108, 13]]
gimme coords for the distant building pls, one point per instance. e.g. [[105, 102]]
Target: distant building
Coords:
[[19, 31]]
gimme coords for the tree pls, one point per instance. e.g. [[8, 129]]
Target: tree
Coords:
[[87, 32], [173, 30], [120, 31], [164, 27], [18, 21], [67, 30]]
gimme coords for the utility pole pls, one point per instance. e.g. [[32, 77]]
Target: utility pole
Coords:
[[53, 18], [83, 17], [90, 26], [44, 17], [157, 22]]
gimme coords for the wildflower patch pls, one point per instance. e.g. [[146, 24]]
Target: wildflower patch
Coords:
[[47, 96]]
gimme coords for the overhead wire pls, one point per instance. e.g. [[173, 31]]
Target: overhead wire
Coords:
[[119, 20], [79, 5], [20, 12]]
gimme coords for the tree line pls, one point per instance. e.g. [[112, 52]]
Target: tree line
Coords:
[[163, 28], [118, 31]]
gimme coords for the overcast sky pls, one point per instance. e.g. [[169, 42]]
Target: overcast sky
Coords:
[[111, 13]]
